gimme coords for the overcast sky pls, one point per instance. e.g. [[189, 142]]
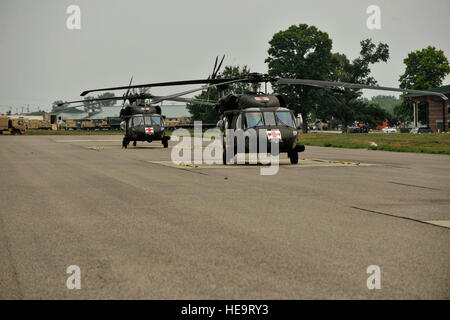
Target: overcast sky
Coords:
[[42, 61]]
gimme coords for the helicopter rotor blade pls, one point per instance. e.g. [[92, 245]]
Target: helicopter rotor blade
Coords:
[[206, 87], [162, 84], [193, 100], [330, 84], [70, 108], [89, 100], [140, 96]]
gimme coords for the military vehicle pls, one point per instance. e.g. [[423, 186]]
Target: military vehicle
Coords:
[[113, 123], [69, 124], [48, 122], [141, 116], [38, 124], [52, 120], [257, 110], [260, 111], [12, 126], [143, 122], [86, 124]]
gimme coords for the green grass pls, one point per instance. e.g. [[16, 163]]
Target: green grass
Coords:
[[32, 132], [421, 143]]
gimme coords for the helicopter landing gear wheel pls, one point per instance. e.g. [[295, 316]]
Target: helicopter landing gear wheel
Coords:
[[124, 143], [227, 158], [224, 156], [293, 156], [134, 143], [165, 143]]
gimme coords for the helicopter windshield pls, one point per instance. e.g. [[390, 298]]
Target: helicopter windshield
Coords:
[[138, 120], [269, 119], [284, 118], [153, 121], [253, 119], [280, 118]]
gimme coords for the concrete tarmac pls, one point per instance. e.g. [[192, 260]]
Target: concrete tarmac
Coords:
[[140, 227]]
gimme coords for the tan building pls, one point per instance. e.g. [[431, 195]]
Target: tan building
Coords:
[[438, 110]]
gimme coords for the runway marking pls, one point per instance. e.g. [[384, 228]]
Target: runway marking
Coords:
[[303, 163], [443, 224], [88, 140], [96, 148], [180, 167], [412, 185]]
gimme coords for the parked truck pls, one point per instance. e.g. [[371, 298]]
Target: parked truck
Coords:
[[68, 124], [12, 126], [38, 125], [87, 124]]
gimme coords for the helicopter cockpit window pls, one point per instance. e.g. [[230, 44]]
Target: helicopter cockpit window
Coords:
[[153, 121], [253, 119], [138, 120], [285, 118], [269, 119]]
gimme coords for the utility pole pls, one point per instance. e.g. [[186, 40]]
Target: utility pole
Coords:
[[443, 116], [416, 113]]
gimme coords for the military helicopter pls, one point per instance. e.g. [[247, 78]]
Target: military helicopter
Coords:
[[142, 118], [260, 110]]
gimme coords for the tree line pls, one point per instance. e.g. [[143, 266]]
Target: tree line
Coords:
[[305, 52]]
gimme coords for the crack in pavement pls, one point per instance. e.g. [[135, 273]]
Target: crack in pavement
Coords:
[[413, 185]]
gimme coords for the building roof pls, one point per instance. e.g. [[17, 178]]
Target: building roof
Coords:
[[72, 116], [168, 110], [107, 112], [175, 111], [443, 89]]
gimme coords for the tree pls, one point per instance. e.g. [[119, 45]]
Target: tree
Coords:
[[300, 52], [108, 103], [207, 114], [425, 69], [89, 104], [140, 91], [404, 111], [55, 107], [386, 103], [344, 104], [372, 114]]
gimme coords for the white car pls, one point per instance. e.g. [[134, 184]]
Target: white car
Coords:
[[389, 130]]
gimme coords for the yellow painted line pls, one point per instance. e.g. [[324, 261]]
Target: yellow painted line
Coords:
[[346, 162], [303, 163], [88, 140], [96, 148]]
